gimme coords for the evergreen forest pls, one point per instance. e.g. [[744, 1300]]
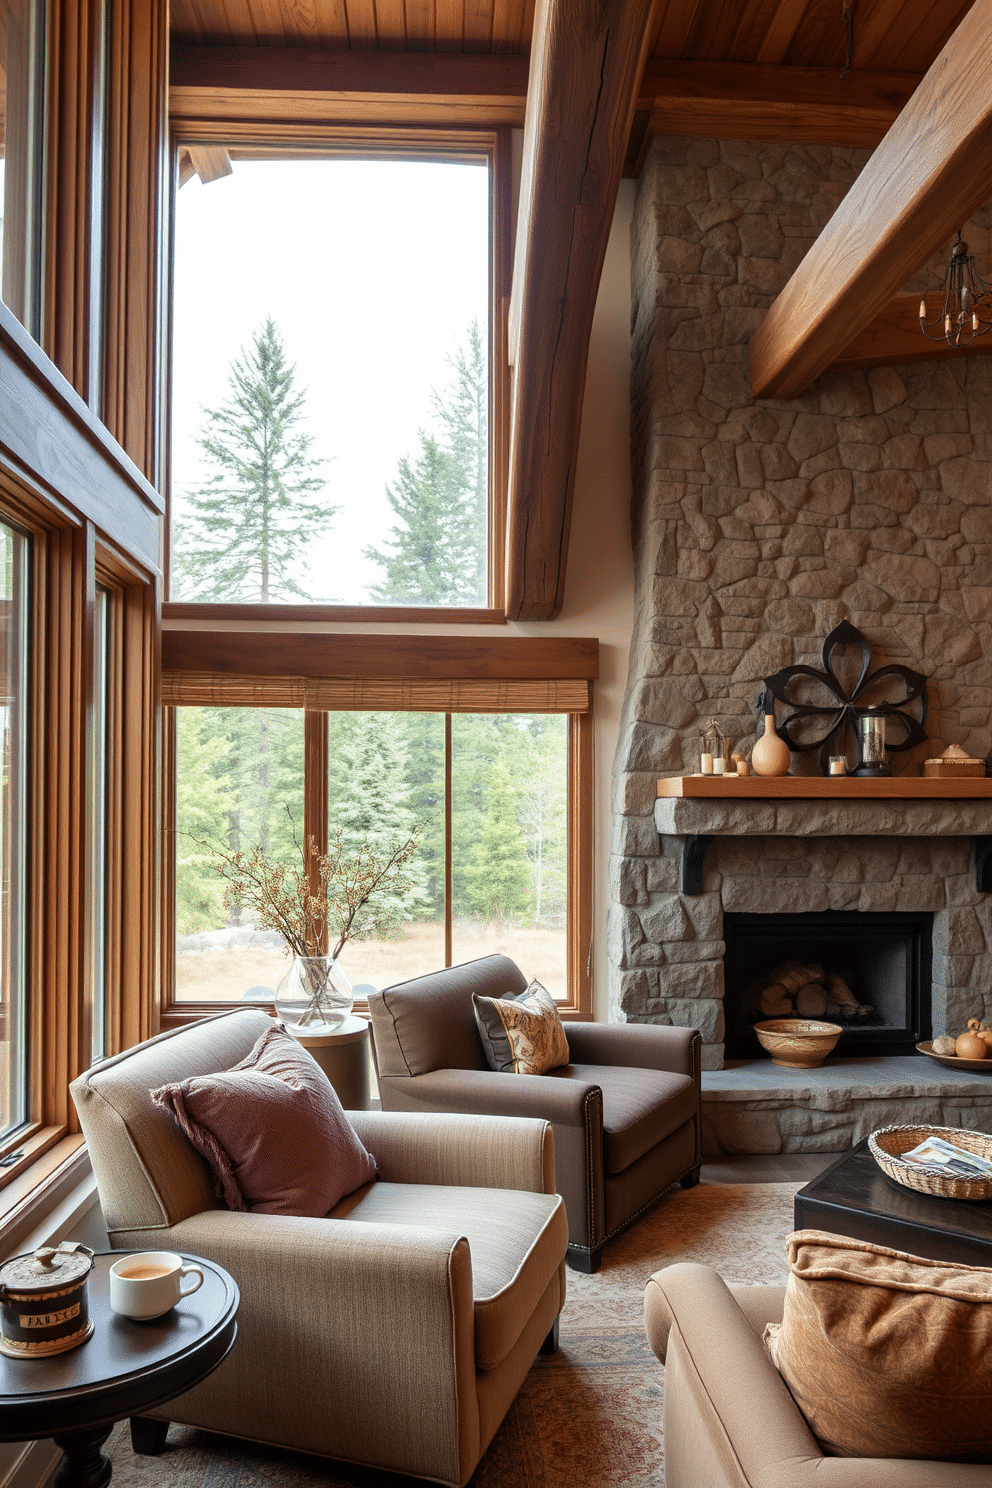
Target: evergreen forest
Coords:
[[245, 536]]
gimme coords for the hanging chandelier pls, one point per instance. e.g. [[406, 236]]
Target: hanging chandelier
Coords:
[[966, 312]]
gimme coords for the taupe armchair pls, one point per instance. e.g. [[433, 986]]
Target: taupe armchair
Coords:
[[393, 1333], [625, 1112]]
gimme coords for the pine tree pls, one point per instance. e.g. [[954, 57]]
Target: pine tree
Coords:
[[499, 883], [435, 554], [370, 808], [251, 523], [426, 550]]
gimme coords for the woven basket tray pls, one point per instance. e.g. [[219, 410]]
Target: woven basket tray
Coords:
[[888, 1145]]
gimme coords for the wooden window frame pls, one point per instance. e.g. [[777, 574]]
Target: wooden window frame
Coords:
[[185, 683], [249, 139]]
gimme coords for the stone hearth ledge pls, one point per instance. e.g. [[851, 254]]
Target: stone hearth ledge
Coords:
[[755, 1106], [687, 817]]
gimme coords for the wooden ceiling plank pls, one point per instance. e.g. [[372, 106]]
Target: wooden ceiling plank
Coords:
[[876, 24], [585, 71], [782, 29], [449, 25], [895, 336], [478, 25], [421, 32], [390, 25], [361, 24], [923, 42], [932, 170], [821, 37], [677, 22]]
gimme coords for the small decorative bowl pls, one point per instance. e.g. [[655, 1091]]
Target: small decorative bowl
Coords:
[[797, 1043], [888, 1145]]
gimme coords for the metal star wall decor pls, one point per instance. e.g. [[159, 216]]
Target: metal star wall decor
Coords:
[[841, 716]]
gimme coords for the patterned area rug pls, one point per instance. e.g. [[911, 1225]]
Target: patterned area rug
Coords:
[[590, 1416]]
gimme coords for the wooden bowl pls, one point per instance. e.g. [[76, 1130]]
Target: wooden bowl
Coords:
[[797, 1043]]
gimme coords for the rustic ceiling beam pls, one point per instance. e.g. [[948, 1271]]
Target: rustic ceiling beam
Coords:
[[806, 105], [894, 336], [932, 170], [586, 64], [812, 105], [289, 83]]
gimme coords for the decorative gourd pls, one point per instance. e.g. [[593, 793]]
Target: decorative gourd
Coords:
[[971, 1045], [983, 1033]]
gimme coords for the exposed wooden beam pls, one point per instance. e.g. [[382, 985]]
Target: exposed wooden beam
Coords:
[[288, 83], [727, 100], [586, 65], [810, 105], [932, 170], [895, 336], [271, 653]]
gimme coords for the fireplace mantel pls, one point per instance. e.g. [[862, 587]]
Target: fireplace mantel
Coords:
[[698, 819]]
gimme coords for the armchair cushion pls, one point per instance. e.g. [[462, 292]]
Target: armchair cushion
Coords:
[[522, 1034], [640, 1108], [516, 1241], [272, 1130], [886, 1354]]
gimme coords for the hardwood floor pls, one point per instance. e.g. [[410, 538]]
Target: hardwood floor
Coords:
[[786, 1167]]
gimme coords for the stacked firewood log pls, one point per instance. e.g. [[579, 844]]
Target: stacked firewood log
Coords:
[[796, 990]]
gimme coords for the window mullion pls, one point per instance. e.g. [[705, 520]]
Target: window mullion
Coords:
[[315, 789], [447, 841]]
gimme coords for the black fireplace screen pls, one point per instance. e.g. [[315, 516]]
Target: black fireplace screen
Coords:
[[868, 972]]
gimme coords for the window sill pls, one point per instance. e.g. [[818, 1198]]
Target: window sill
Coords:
[[39, 1186]]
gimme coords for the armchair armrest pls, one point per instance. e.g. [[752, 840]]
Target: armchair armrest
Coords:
[[636, 1045], [330, 1300], [732, 1415], [464, 1151], [490, 1093]]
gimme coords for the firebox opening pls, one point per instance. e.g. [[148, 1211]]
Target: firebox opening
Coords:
[[869, 972]]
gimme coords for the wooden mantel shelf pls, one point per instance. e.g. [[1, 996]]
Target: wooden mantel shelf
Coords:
[[818, 787]]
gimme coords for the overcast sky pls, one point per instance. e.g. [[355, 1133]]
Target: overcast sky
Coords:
[[372, 272]]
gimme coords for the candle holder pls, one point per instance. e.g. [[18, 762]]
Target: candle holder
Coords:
[[712, 749], [871, 745]]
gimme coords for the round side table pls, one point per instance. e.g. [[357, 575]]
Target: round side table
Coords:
[[123, 1369], [344, 1057]]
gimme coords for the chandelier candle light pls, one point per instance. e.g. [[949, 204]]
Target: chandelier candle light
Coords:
[[966, 312]]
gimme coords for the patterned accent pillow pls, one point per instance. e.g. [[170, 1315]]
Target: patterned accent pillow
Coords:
[[522, 1035], [272, 1130], [886, 1354]]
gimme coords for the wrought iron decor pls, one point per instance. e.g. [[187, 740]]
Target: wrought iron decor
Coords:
[[841, 716]]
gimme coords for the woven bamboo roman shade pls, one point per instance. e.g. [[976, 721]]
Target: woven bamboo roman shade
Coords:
[[377, 694]]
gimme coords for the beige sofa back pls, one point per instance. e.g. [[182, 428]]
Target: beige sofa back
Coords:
[[149, 1175]]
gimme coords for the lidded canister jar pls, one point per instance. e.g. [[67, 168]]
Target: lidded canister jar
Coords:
[[43, 1303]]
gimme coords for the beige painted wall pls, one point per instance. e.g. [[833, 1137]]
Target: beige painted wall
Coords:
[[599, 588]]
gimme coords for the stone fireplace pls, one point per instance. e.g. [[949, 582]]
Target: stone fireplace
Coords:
[[757, 528]]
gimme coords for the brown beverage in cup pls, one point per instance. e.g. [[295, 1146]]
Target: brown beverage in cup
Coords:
[[143, 1273]]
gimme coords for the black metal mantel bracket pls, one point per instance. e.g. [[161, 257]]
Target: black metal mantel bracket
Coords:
[[983, 864], [693, 858]]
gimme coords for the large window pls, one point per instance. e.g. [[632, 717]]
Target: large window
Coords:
[[331, 378], [488, 795], [13, 841]]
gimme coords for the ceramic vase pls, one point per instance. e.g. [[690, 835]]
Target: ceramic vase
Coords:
[[314, 996], [770, 755]]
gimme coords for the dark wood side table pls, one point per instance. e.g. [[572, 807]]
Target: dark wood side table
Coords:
[[854, 1197], [124, 1369]]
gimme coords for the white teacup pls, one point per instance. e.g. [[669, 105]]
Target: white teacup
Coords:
[[148, 1283]]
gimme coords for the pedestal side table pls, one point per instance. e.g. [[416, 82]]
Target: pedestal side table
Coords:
[[344, 1057], [123, 1369]]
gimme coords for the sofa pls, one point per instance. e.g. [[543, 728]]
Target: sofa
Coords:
[[729, 1419]]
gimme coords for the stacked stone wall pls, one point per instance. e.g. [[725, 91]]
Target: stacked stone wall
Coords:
[[759, 526]]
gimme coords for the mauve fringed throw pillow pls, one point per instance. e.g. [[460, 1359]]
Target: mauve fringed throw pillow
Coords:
[[272, 1130]]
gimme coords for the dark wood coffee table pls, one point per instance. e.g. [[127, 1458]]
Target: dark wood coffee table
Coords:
[[123, 1369], [854, 1197]]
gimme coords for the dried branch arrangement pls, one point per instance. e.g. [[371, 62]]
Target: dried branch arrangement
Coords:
[[341, 895]]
